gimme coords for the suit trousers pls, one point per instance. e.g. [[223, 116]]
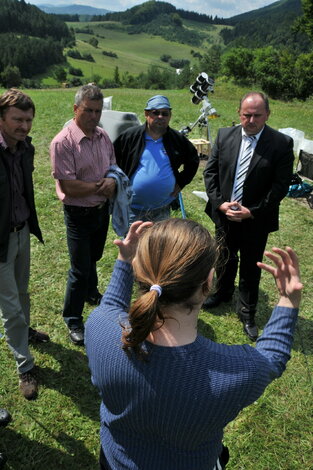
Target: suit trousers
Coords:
[[14, 297], [86, 229], [243, 243]]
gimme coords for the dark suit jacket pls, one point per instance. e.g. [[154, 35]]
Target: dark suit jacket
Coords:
[[5, 198], [267, 180]]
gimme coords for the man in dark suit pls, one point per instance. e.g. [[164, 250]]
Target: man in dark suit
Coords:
[[246, 177]]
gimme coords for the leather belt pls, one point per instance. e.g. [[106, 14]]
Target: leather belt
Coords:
[[17, 228], [84, 210]]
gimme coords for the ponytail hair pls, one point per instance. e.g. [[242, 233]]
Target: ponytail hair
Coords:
[[176, 255]]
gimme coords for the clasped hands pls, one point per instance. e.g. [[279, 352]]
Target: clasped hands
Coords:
[[234, 211], [106, 187]]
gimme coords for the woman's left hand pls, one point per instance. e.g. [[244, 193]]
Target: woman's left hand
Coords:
[[128, 246]]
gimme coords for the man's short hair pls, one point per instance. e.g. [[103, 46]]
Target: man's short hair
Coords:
[[256, 93], [88, 92], [16, 98]]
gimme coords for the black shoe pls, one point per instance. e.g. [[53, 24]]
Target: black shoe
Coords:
[[29, 384], [250, 329], [5, 417], [36, 336], [76, 335], [215, 300], [3, 459], [94, 299]]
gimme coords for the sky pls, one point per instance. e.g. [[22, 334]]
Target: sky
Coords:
[[220, 8]]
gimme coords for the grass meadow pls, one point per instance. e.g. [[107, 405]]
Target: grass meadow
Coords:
[[135, 52], [60, 429]]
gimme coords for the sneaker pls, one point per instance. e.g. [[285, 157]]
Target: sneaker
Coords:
[[28, 385], [35, 336]]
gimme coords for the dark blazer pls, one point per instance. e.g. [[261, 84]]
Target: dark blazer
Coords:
[[267, 180], [5, 198], [130, 144]]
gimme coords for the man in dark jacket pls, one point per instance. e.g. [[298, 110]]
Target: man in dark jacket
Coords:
[[151, 156], [246, 177], [18, 219]]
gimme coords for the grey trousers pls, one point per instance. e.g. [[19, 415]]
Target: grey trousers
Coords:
[[14, 298]]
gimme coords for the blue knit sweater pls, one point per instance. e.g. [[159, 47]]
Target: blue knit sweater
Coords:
[[169, 413]]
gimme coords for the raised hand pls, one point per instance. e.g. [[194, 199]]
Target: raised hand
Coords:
[[286, 274], [127, 246]]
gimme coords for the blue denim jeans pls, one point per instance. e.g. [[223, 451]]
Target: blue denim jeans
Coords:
[[153, 215], [86, 229]]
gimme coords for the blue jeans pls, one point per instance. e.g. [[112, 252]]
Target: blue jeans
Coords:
[[86, 229], [153, 215]]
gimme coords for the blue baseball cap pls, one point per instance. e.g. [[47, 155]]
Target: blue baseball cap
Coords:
[[158, 102]]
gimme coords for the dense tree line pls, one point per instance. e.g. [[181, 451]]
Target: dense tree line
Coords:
[[20, 17], [256, 33], [67, 17], [281, 74], [30, 55], [160, 19], [200, 17], [272, 25], [31, 41], [139, 13], [169, 27], [305, 22], [147, 11]]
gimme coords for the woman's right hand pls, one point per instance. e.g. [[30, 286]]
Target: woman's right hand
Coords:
[[286, 274], [128, 246]]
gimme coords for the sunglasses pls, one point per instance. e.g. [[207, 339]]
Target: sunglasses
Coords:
[[157, 112]]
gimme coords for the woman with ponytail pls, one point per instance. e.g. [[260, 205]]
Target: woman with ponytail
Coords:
[[167, 392]]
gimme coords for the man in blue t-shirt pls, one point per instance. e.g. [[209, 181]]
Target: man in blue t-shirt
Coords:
[[151, 155]]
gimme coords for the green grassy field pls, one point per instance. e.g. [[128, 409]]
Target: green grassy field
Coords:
[[135, 52], [60, 429]]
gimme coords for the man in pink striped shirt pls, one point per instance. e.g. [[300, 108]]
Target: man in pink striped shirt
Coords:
[[81, 155]]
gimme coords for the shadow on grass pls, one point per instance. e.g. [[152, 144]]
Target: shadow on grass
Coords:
[[24, 453], [72, 379]]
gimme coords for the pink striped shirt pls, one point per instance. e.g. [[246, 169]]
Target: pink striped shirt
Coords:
[[77, 157]]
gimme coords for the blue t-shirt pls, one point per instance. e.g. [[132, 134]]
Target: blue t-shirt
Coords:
[[154, 180]]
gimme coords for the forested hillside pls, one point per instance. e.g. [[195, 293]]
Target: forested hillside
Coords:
[[271, 26], [30, 39], [144, 46], [161, 19]]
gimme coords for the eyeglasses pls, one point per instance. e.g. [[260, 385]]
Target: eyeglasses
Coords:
[[158, 112]]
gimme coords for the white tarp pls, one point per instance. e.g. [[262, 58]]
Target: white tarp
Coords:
[[300, 143]]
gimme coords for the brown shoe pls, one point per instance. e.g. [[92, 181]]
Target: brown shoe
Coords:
[[29, 385], [35, 336]]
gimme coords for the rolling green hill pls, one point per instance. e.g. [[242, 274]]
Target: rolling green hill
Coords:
[[134, 52], [141, 36]]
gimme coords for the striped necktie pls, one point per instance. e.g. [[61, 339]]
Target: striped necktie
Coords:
[[243, 168]]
